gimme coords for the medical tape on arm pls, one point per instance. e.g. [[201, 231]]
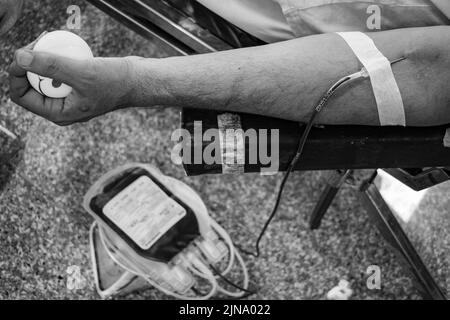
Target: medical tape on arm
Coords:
[[391, 110]]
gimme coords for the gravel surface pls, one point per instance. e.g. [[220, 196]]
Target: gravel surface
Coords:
[[44, 230]]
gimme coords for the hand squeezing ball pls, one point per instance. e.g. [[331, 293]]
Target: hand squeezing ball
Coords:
[[61, 43]]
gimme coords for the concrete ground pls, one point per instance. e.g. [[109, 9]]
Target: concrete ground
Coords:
[[44, 230]]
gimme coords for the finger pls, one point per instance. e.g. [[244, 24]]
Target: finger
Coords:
[[14, 68], [18, 86], [30, 100], [49, 65], [42, 106]]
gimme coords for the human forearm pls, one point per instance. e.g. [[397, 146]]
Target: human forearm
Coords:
[[286, 79], [282, 80]]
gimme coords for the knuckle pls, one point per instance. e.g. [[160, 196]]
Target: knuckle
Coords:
[[60, 121], [84, 108], [53, 118], [14, 97], [63, 123], [52, 67], [89, 74]]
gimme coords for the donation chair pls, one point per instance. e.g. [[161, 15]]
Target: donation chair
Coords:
[[189, 28]]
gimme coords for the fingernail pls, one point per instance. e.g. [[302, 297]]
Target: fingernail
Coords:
[[24, 58]]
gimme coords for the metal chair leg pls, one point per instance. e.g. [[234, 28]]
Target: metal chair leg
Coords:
[[334, 183], [393, 233]]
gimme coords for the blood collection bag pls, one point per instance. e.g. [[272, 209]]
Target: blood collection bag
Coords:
[[146, 214]]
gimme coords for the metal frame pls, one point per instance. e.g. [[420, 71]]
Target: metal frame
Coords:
[[345, 147], [393, 233], [157, 19], [386, 223], [420, 179]]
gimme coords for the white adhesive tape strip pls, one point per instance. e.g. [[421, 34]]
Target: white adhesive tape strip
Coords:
[[231, 143], [391, 110]]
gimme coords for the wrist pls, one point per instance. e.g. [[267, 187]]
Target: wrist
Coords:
[[147, 83], [128, 88]]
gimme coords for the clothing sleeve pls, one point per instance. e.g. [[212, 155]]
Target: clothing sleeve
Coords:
[[444, 6], [263, 19], [308, 17]]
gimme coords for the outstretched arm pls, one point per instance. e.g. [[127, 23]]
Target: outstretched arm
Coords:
[[287, 79], [283, 80]]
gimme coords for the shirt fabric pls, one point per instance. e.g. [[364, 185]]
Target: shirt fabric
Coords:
[[263, 19], [278, 20]]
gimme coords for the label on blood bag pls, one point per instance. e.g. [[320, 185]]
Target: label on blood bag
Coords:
[[144, 212]]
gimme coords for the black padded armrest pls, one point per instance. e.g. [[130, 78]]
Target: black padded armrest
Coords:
[[333, 147]]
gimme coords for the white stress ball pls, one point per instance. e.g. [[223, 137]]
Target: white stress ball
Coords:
[[62, 43]]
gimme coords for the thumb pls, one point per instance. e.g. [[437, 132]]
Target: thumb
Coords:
[[49, 65]]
